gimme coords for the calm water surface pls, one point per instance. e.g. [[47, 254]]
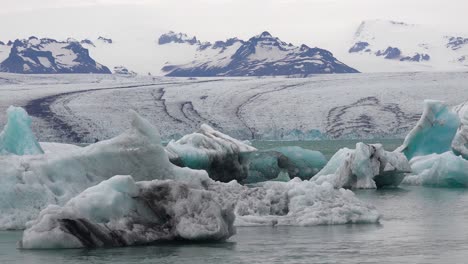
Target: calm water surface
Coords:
[[420, 225]]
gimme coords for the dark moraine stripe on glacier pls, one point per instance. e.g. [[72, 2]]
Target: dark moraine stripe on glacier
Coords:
[[41, 108]]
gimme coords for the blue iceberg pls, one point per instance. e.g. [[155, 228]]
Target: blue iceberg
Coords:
[[434, 131], [17, 137], [438, 170]]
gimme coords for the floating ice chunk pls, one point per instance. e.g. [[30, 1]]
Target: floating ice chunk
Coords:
[[17, 136], [303, 163], [30, 183], [438, 170], [120, 212], [460, 141], [433, 133], [301, 203], [264, 165], [213, 151], [367, 166]]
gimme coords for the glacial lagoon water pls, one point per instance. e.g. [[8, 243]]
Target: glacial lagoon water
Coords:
[[420, 225]]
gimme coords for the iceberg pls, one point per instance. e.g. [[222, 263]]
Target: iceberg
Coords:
[[122, 212], [17, 137], [213, 151], [296, 202], [437, 147], [30, 183], [264, 165], [303, 163], [366, 167], [438, 170], [460, 141], [434, 131]]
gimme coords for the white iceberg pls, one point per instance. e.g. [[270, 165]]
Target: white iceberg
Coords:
[[213, 151], [460, 141], [434, 131], [30, 183], [17, 137], [120, 212], [366, 167], [297, 202]]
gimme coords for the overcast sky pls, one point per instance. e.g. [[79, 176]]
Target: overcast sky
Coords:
[[314, 22]]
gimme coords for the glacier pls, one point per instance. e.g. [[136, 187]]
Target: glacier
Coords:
[[365, 167], [17, 137], [122, 212]]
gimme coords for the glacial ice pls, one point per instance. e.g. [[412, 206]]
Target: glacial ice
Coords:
[[213, 151], [122, 212], [437, 147], [17, 137], [367, 167], [434, 131], [438, 170], [460, 141], [303, 163], [296, 202], [30, 183], [264, 165]]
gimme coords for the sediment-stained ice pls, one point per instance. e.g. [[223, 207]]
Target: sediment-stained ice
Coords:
[[213, 151], [434, 131], [367, 166], [30, 183], [122, 212], [17, 137]]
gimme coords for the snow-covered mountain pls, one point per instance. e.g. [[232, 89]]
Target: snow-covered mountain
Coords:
[[383, 45], [46, 55], [261, 55]]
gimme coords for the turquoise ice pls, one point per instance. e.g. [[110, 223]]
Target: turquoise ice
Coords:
[[303, 163], [17, 136], [433, 133]]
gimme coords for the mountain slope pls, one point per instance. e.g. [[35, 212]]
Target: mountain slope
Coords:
[[382, 45], [50, 56], [262, 55]]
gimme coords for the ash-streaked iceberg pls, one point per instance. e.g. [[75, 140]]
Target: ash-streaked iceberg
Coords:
[[122, 212], [434, 131], [17, 137], [30, 183], [213, 151], [367, 167]]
